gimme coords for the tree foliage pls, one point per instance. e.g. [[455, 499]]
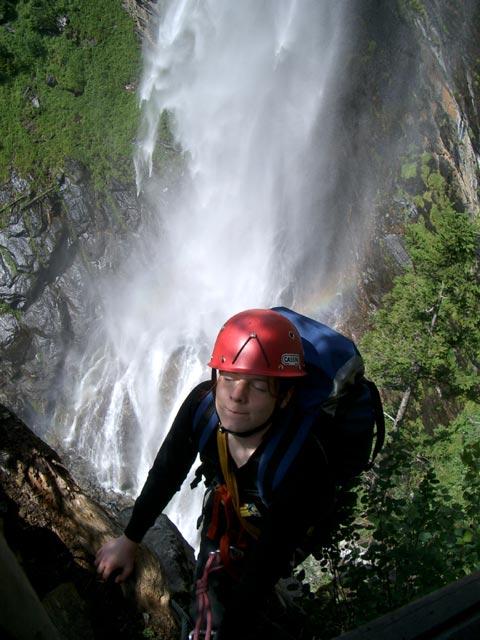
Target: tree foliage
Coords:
[[414, 527], [427, 331]]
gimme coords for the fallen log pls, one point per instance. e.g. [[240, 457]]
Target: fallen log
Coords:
[[18, 596], [34, 478]]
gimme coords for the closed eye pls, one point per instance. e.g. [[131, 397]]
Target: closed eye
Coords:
[[259, 385]]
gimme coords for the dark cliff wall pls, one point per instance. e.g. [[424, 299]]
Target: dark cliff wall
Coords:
[[414, 90], [54, 245]]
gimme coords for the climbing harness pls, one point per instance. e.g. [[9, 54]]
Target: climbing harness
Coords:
[[237, 536], [238, 532]]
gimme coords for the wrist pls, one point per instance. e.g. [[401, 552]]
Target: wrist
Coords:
[[129, 542]]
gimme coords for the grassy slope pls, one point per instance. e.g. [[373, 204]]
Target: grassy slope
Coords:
[[65, 71]]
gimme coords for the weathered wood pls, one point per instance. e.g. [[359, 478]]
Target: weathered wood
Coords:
[[451, 613], [18, 596], [32, 476]]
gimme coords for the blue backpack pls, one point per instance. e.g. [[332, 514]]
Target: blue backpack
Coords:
[[334, 403]]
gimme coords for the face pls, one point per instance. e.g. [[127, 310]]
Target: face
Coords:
[[243, 401]]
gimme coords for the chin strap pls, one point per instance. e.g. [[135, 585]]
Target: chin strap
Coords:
[[244, 434]]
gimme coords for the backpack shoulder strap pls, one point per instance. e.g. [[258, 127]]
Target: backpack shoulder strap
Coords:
[[282, 450], [205, 420]]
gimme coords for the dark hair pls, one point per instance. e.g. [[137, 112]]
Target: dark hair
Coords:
[[280, 387]]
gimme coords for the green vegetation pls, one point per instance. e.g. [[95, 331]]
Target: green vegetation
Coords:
[[416, 6], [67, 68], [428, 331], [427, 335], [416, 521]]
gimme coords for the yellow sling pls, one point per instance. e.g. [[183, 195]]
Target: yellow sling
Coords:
[[231, 482]]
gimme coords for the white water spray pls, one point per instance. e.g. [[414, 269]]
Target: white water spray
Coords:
[[247, 87]]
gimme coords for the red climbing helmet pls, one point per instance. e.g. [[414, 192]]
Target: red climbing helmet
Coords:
[[259, 342]]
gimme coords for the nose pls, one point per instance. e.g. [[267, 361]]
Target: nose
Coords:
[[239, 391]]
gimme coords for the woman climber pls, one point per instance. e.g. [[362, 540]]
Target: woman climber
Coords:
[[249, 533]]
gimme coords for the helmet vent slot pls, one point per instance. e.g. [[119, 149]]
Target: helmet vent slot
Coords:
[[252, 336]]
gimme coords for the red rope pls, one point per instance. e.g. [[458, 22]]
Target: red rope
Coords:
[[204, 609]]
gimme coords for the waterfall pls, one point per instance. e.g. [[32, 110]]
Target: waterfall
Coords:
[[249, 88]]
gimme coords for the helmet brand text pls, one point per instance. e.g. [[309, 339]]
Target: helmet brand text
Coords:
[[290, 359]]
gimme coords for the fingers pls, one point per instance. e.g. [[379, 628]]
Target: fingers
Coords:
[[115, 559], [105, 562], [123, 575], [104, 570]]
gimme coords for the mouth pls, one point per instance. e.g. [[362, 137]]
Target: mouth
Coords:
[[235, 413]]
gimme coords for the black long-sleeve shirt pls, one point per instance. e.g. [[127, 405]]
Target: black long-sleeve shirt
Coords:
[[305, 496]]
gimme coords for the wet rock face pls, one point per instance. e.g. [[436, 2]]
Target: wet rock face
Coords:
[[53, 244], [142, 11], [55, 241], [415, 95]]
